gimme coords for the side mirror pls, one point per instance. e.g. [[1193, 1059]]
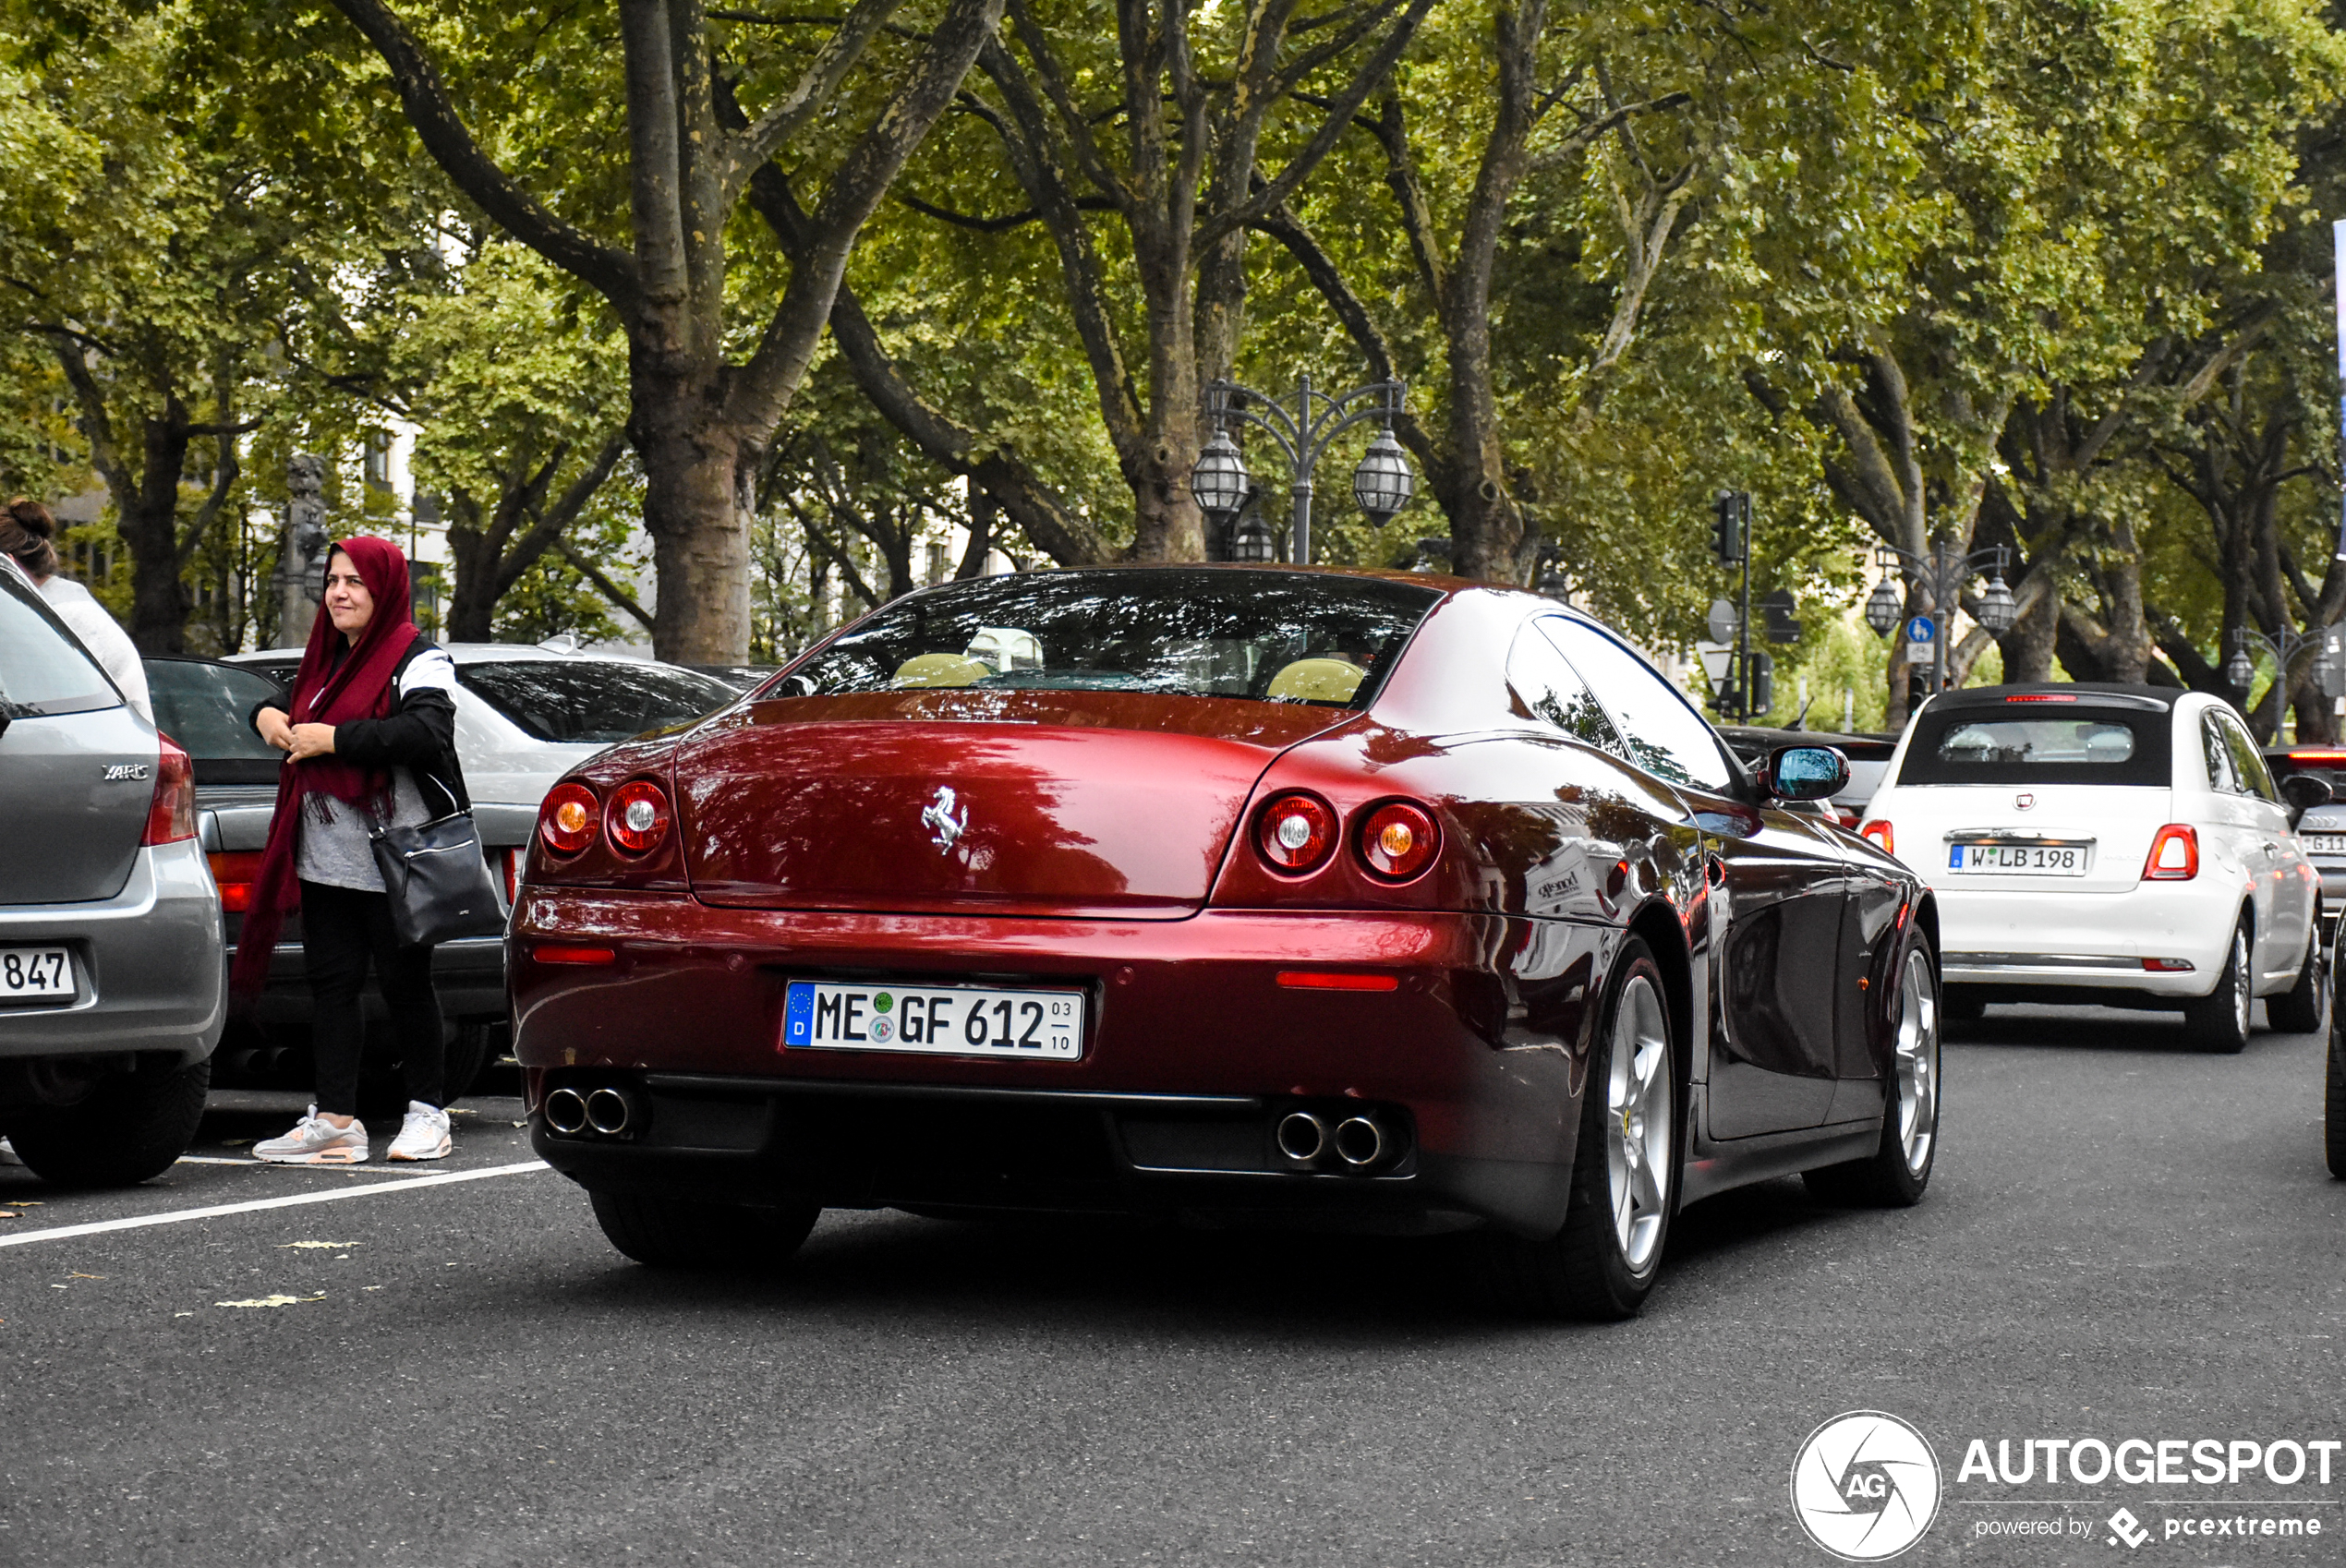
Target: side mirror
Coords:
[[1804, 773], [2304, 791]]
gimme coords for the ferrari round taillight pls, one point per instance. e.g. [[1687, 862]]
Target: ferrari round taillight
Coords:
[[566, 821], [1398, 840], [1295, 832], [637, 818]]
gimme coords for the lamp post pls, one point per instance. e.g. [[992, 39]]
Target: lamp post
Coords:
[[1941, 575], [2240, 670], [1383, 483]]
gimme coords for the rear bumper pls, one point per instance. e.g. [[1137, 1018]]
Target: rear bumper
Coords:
[[150, 975], [2034, 937], [1193, 1053]]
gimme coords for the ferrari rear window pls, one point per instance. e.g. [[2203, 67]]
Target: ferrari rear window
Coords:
[[2073, 746], [1266, 636]]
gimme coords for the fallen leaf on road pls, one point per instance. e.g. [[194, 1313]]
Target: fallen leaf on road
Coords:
[[320, 1245], [5, 1215], [183, 1314], [71, 1275], [273, 1300]]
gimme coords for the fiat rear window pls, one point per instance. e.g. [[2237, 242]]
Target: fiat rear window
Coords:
[[1266, 636], [2033, 746]]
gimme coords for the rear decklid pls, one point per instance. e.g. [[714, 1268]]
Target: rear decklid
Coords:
[[77, 766], [2060, 791], [1080, 804]]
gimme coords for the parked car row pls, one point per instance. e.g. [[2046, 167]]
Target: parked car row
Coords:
[[131, 853]]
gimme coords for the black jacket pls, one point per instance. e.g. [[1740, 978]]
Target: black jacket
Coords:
[[418, 734]]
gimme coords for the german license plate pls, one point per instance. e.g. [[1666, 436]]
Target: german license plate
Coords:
[[948, 1021], [2324, 843], [35, 974], [2018, 860]]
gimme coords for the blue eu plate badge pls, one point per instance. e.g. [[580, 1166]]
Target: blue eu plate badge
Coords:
[[798, 1016]]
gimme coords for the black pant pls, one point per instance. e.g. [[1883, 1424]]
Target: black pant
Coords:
[[341, 929]]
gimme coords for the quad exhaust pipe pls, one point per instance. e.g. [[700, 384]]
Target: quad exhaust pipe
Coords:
[[1361, 1141], [608, 1112], [1303, 1136]]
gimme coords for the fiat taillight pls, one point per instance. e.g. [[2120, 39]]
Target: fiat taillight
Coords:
[[1398, 840], [566, 820], [1880, 831], [171, 815], [637, 818], [2174, 854], [1294, 832]]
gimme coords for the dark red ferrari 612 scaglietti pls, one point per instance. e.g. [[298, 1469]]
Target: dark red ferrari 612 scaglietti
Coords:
[[1228, 892]]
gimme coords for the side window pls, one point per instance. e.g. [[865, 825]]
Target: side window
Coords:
[[2218, 752], [1659, 729], [1550, 689], [2248, 763]]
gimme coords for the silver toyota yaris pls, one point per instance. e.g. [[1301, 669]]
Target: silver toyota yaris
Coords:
[[113, 986]]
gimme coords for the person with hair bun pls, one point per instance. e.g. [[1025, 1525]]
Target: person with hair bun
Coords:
[[30, 534]]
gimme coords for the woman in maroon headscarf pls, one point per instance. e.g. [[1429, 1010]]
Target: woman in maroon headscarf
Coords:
[[368, 732]]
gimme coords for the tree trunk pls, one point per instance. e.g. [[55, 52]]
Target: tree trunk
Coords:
[[149, 521]]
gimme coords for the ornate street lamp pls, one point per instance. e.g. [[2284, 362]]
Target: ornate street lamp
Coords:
[[1886, 603], [1382, 483], [1942, 574], [1220, 479]]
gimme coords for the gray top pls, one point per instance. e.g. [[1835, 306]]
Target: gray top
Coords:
[[334, 849]]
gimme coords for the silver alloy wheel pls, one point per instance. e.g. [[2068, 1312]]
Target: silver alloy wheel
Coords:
[[1640, 1116], [1917, 1053], [2242, 997]]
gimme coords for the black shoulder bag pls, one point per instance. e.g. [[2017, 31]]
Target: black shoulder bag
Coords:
[[438, 877]]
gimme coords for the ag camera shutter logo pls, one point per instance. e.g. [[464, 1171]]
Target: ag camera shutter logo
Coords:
[[1864, 1486]]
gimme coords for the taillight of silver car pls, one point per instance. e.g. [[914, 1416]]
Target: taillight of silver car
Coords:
[[2174, 854], [171, 816]]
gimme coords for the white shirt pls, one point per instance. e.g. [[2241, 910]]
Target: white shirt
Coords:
[[105, 639]]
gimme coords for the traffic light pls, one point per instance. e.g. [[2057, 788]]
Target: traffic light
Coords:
[[1763, 685], [1731, 528]]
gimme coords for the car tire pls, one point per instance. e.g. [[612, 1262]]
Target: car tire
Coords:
[[468, 1058], [2334, 1102], [1898, 1172], [131, 1126], [1624, 1174], [2304, 1008], [681, 1232], [2219, 1021]]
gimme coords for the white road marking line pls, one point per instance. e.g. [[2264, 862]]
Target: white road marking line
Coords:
[[407, 1184], [346, 1170]]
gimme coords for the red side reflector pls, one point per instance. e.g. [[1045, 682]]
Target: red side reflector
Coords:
[[2040, 697], [2167, 966], [546, 953], [1327, 980], [236, 871]]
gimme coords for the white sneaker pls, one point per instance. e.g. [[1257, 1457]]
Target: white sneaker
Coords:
[[316, 1141], [423, 1136]]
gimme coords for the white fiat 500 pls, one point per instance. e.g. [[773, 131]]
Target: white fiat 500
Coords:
[[2117, 845]]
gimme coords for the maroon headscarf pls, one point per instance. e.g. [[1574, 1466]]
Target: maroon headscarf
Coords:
[[337, 683]]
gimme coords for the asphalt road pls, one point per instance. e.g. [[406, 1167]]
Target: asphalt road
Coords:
[[2124, 1240]]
